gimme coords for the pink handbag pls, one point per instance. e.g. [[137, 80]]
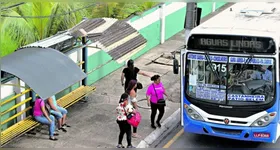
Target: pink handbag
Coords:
[[134, 119]]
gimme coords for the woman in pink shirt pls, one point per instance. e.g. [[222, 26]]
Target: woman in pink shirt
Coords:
[[156, 92], [41, 115]]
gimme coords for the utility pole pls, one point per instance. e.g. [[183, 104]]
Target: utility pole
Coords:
[[190, 21]]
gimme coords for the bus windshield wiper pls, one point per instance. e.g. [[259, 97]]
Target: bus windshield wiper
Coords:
[[215, 72], [244, 67]]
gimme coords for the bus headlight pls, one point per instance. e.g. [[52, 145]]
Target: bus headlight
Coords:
[[192, 113], [264, 120]]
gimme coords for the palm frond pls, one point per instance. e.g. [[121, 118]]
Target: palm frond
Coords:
[[7, 45], [60, 23], [19, 29], [51, 27], [41, 9]]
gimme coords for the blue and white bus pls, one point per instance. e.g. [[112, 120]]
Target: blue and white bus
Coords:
[[230, 74]]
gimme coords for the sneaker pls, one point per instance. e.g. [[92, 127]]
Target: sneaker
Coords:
[[64, 130], [130, 146], [153, 126], [120, 146]]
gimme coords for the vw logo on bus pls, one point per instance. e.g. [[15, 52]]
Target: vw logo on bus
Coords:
[[226, 121]]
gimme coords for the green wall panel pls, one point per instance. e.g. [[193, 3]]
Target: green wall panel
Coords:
[[144, 14], [174, 23], [103, 71], [152, 34], [220, 4], [97, 59], [206, 8]]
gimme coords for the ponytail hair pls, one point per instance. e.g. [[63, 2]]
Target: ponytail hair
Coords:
[[155, 77], [130, 64]]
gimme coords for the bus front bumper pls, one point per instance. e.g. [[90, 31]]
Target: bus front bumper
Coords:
[[258, 134]]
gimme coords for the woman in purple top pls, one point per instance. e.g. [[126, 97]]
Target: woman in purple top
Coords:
[[41, 115], [154, 93]]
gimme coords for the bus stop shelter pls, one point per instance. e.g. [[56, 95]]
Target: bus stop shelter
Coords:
[[46, 71]]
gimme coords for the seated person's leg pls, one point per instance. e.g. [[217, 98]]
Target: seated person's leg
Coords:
[[64, 112], [44, 120], [58, 116]]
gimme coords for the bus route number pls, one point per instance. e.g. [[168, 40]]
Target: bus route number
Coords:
[[219, 67]]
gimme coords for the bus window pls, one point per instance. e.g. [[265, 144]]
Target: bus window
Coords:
[[228, 80], [202, 79]]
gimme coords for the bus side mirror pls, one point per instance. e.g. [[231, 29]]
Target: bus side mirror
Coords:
[[175, 66]]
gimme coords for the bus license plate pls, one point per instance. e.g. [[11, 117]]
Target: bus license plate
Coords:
[[261, 135]]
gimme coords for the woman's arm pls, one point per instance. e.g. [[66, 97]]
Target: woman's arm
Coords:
[[122, 79], [135, 105], [129, 109], [50, 101], [148, 100], [148, 95], [164, 92], [132, 94], [45, 113], [143, 73]]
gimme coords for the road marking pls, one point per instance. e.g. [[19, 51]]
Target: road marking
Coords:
[[169, 143]]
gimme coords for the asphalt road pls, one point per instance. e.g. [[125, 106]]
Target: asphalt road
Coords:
[[178, 139]]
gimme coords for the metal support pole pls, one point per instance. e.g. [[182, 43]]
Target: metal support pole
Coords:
[[190, 23], [84, 65], [85, 59], [33, 95]]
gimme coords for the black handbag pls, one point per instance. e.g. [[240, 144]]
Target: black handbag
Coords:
[[139, 85], [160, 101]]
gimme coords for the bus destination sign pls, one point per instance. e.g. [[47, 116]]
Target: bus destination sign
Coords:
[[228, 43], [231, 43]]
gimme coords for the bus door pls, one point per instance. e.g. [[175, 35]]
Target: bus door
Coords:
[[182, 84]]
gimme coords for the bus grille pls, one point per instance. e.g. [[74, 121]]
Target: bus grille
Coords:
[[227, 131], [232, 121]]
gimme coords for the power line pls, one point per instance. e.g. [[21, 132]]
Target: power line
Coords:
[[51, 16], [15, 5]]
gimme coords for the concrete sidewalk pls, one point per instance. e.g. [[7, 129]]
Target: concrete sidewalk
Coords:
[[94, 123]]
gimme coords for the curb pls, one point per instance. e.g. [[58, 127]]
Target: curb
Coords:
[[167, 124]]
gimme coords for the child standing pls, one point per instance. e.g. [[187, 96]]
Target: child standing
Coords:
[[122, 110]]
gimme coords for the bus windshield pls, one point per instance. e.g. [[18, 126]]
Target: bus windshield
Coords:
[[232, 80]]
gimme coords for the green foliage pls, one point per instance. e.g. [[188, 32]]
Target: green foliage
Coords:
[[17, 32], [119, 10]]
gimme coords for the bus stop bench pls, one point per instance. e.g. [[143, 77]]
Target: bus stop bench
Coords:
[[29, 123], [76, 95]]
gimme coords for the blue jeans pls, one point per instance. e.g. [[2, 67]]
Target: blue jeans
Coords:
[[42, 119], [59, 115]]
